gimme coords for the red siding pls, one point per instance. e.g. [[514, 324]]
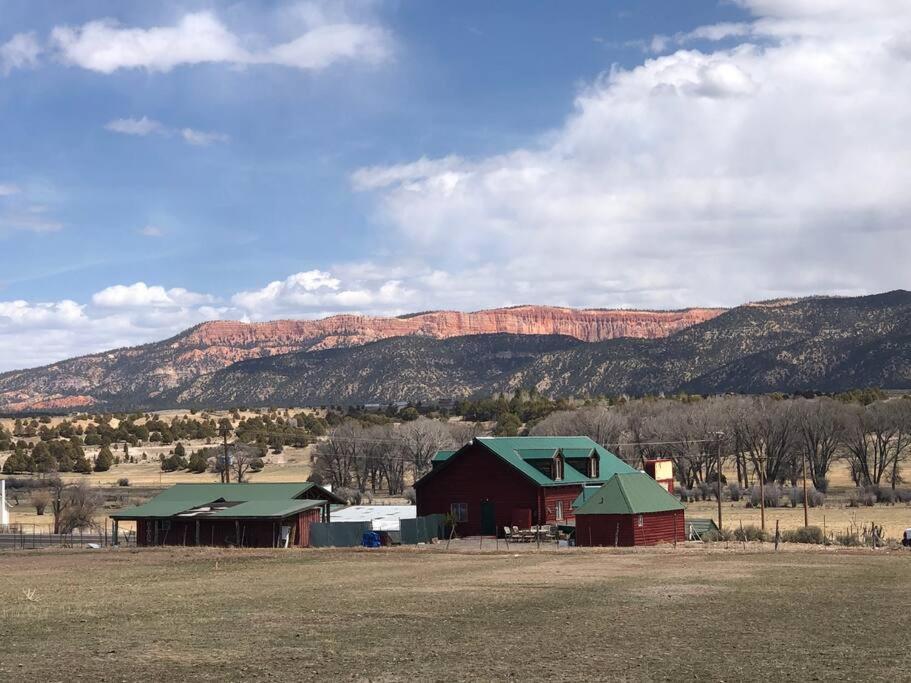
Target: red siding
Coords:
[[657, 527], [304, 520], [566, 494], [474, 476], [254, 533]]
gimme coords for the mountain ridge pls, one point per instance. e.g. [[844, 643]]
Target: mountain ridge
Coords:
[[158, 367]]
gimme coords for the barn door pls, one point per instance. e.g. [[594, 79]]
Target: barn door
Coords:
[[488, 519]]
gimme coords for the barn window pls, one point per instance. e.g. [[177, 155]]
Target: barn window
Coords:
[[558, 510], [593, 466], [639, 520], [558, 466], [459, 512]]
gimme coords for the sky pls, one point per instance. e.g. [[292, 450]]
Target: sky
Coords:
[[166, 163]]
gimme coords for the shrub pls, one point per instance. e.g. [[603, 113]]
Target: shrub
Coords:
[[104, 459], [410, 495], [716, 535], [82, 466], [706, 490], [40, 499], [751, 533], [904, 495], [771, 492], [123, 481], [814, 497], [686, 495], [850, 540], [199, 463], [809, 534], [735, 492], [886, 495], [861, 498], [173, 463], [257, 464]]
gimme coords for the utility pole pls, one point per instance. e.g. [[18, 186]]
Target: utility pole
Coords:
[[806, 513], [761, 493], [720, 436], [225, 472]]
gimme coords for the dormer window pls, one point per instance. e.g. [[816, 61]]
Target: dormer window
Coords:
[[593, 462], [558, 466]]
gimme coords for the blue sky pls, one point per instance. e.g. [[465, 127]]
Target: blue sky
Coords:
[[166, 163]]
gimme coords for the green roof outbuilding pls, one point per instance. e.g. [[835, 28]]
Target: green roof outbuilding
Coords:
[[632, 493]]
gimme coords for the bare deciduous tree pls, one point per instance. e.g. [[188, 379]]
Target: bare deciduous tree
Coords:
[[821, 426], [420, 440]]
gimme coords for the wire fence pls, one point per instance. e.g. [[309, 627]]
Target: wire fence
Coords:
[[34, 536]]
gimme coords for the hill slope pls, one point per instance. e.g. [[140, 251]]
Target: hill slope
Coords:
[[826, 344], [144, 374]]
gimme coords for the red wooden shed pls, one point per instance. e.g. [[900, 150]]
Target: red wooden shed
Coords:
[[631, 509]]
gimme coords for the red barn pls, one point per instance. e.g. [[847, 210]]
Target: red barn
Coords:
[[630, 509], [491, 483]]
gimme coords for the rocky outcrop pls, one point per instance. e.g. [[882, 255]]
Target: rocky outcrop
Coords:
[[162, 366], [285, 336]]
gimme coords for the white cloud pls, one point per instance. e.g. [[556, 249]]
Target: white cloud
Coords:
[[22, 314], [151, 231], [316, 292], [777, 165], [124, 315], [202, 138], [7, 189], [19, 52], [145, 126], [29, 219], [140, 294], [141, 126], [197, 38]]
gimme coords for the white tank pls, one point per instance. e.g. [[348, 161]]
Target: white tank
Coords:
[[4, 513]]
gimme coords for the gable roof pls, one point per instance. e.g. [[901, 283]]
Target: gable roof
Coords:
[[520, 451], [629, 494], [254, 500]]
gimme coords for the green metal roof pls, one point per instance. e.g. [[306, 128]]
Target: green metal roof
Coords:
[[256, 500], [586, 493], [520, 451], [629, 494], [268, 508], [441, 456], [235, 492], [161, 508]]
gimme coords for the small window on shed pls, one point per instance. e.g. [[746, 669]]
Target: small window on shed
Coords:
[[593, 472], [558, 510], [459, 512], [638, 520]]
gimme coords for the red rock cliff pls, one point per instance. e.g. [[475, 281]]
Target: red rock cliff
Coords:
[[234, 341]]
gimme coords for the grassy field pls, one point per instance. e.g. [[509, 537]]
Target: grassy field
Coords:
[[834, 517], [407, 614]]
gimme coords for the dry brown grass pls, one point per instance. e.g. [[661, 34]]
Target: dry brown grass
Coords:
[[420, 614]]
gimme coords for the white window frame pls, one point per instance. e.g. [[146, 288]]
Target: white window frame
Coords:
[[639, 521], [558, 510]]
